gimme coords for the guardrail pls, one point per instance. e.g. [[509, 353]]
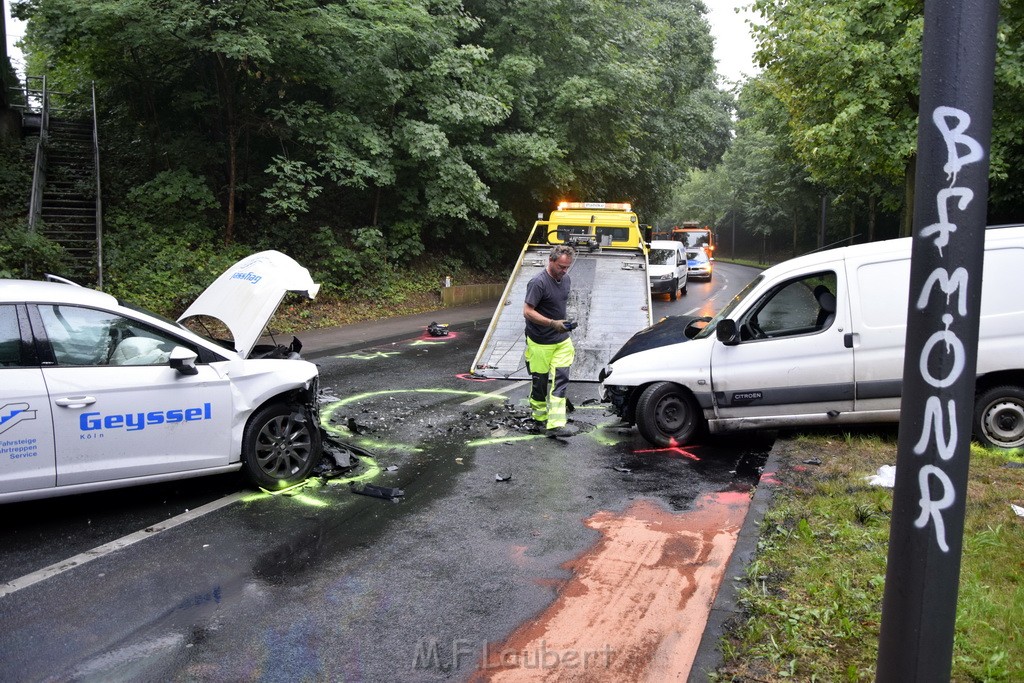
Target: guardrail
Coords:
[[459, 295]]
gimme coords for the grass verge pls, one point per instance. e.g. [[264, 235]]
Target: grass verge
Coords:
[[813, 594]]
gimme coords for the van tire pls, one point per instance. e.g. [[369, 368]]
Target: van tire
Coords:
[[281, 445], [999, 417], [683, 290], [675, 290], [666, 415]]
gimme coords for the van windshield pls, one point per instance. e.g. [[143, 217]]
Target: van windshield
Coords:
[[661, 257], [709, 329]]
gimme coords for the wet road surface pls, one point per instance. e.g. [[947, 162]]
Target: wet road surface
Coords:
[[593, 554]]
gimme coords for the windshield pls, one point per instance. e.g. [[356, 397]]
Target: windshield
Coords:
[[661, 257], [709, 329], [695, 238]]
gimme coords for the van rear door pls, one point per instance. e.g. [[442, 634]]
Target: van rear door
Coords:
[[791, 359], [879, 293]]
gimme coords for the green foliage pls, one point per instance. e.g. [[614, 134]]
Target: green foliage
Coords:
[[366, 134], [172, 197], [20, 246], [814, 592]]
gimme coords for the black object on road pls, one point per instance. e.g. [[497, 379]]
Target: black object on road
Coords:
[[385, 492]]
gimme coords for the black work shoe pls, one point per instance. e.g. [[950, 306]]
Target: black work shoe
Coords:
[[562, 432]]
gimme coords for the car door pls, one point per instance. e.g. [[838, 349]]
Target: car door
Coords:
[[27, 459], [792, 359], [879, 298], [119, 409], [682, 266]]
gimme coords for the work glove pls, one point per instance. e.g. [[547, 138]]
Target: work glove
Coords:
[[558, 326]]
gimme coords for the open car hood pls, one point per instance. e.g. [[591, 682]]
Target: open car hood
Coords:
[[248, 293]]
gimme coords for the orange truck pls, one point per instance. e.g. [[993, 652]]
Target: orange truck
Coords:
[[691, 234]]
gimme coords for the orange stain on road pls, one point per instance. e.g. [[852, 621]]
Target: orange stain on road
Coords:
[[637, 603]]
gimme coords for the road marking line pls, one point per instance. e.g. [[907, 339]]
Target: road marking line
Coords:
[[487, 397], [78, 560]]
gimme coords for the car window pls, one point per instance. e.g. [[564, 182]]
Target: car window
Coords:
[[10, 338], [87, 336], [794, 308]]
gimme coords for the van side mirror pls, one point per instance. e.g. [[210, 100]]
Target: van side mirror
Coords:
[[727, 333], [184, 361]]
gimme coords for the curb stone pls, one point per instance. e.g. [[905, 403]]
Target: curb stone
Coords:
[[725, 607]]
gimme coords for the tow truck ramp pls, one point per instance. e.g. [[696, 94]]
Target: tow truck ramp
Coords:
[[610, 297]]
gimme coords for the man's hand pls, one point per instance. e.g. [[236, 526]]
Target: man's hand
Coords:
[[558, 326]]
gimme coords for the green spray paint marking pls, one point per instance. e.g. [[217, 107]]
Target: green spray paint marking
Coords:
[[327, 412], [298, 492], [369, 356], [491, 440], [601, 435]]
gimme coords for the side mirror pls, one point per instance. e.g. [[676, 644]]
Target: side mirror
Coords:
[[184, 361], [727, 333]]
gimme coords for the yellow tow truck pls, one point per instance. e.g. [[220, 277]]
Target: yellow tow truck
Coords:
[[610, 298]]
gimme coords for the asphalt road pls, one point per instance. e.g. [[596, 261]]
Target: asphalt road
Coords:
[[484, 561]]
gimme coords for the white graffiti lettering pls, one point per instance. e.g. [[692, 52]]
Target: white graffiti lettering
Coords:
[[944, 227], [932, 509], [948, 285], [933, 424], [953, 137], [952, 124], [953, 345]]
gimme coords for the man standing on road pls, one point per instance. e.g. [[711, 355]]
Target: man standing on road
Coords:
[[549, 350]]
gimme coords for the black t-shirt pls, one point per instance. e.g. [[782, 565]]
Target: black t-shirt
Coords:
[[549, 298]]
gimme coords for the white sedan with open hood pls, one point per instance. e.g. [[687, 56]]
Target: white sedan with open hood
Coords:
[[98, 394]]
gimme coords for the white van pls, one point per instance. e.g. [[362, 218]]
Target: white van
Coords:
[[817, 340], [666, 266]]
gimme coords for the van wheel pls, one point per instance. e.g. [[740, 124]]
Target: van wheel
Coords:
[[683, 290], [667, 415], [999, 417], [281, 445], [675, 288]]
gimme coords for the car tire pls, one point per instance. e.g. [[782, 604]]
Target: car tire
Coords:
[[683, 289], [675, 290], [667, 415], [999, 417], [281, 445]]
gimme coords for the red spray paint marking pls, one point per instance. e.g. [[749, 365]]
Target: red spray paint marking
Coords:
[[673, 448], [473, 378]]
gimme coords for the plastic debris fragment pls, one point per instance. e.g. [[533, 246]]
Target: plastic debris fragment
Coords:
[[385, 492], [886, 477]]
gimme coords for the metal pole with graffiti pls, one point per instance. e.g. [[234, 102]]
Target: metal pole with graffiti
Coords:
[[926, 537]]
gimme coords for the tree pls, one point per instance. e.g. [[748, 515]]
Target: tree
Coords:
[[363, 131], [847, 74]]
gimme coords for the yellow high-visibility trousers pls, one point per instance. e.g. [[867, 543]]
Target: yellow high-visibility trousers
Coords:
[[548, 364]]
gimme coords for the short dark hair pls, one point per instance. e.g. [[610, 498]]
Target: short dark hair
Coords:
[[560, 250]]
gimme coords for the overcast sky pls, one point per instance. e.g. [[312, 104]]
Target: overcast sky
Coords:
[[734, 48], [15, 30], [733, 45]]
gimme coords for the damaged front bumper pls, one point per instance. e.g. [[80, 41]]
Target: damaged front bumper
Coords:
[[620, 400]]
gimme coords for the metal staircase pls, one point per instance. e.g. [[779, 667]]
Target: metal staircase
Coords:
[[66, 206]]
